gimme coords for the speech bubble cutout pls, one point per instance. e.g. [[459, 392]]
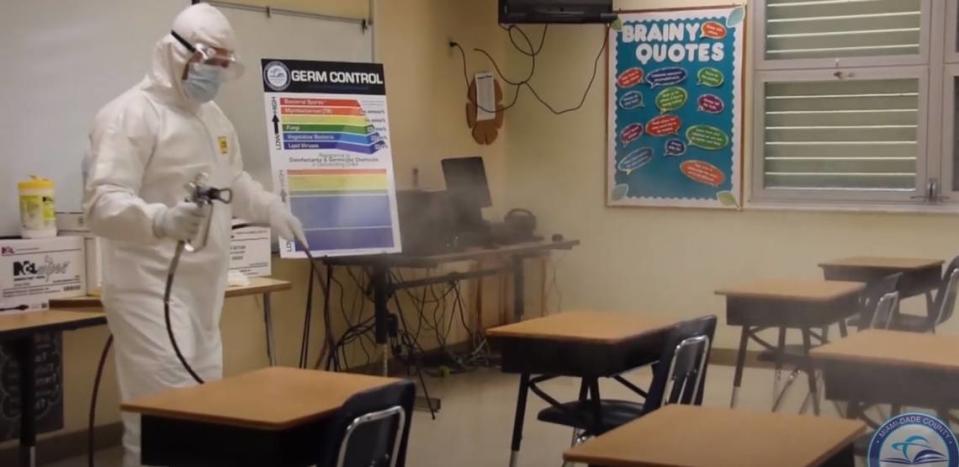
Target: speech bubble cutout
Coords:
[[735, 17], [619, 192], [630, 78], [671, 98], [635, 160], [675, 148], [713, 30], [706, 137], [711, 104], [669, 76], [631, 100], [663, 125], [711, 77], [631, 133], [727, 198], [703, 172]]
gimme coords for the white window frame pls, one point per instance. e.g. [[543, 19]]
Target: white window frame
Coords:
[[939, 23], [762, 63], [759, 191]]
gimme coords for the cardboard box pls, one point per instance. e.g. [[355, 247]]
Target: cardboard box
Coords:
[[93, 261], [72, 222], [36, 270], [250, 251]]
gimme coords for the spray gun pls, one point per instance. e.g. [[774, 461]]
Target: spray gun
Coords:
[[204, 196]]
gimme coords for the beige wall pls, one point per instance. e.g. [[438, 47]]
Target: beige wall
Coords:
[[426, 103], [668, 260]]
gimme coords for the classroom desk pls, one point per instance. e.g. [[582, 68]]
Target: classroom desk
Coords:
[[18, 330], [384, 285], [264, 286], [587, 345], [787, 304], [891, 367], [920, 276], [690, 436], [273, 416]]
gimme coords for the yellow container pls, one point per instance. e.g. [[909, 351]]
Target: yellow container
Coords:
[[37, 208]]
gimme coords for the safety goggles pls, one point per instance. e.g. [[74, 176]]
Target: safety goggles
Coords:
[[209, 55]]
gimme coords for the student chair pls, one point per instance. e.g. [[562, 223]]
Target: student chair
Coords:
[[944, 305], [679, 377], [885, 311], [796, 355], [371, 429]]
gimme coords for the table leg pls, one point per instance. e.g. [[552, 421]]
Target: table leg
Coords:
[[379, 276], [596, 405], [519, 289], [24, 351], [777, 377], [268, 324], [810, 370], [740, 363], [518, 420]]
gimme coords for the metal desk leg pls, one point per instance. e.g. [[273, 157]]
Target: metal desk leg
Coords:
[[519, 289], [777, 379], [24, 351], [268, 325], [518, 421], [810, 370], [740, 363]]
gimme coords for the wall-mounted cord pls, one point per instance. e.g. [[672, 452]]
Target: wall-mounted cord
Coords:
[[532, 52]]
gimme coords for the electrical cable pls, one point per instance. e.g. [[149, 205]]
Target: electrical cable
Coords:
[[526, 83], [91, 442], [307, 318]]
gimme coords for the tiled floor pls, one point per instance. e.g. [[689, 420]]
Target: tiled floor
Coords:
[[474, 426]]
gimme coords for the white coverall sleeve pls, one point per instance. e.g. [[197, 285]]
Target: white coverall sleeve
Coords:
[[251, 201], [121, 146]]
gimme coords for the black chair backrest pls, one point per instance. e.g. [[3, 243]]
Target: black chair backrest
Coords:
[[945, 303], [370, 441], [680, 375], [885, 308], [874, 292]]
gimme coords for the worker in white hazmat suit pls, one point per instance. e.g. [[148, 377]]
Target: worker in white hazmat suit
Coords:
[[145, 146]]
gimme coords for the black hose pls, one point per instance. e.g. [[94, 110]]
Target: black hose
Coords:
[[166, 311], [91, 444]]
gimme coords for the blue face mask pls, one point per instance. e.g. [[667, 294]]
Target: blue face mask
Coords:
[[203, 82]]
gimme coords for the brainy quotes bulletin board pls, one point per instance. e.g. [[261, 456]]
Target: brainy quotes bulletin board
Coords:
[[675, 108]]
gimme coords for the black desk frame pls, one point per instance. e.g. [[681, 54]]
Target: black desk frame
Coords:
[[538, 360], [23, 350]]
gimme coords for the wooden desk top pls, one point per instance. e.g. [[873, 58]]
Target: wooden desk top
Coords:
[[39, 320], [930, 351], [883, 262], [584, 326], [688, 436], [258, 285], [269, 399], [800, 290]]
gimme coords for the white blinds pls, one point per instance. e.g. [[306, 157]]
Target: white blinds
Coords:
[[841, 134], [841, 28]]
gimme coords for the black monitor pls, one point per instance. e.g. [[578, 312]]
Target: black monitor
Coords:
[[468, 191]]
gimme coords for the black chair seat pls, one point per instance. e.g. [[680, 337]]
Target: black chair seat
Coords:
[[909, 323], [579, 414]]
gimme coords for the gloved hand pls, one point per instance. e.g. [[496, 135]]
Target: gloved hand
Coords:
[[181, 222], [285, 224]]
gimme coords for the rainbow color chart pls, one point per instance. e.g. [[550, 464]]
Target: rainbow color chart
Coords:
[[328, 124]]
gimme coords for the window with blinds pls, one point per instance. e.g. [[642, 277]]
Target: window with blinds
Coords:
[[859, 135], [809, 29]]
